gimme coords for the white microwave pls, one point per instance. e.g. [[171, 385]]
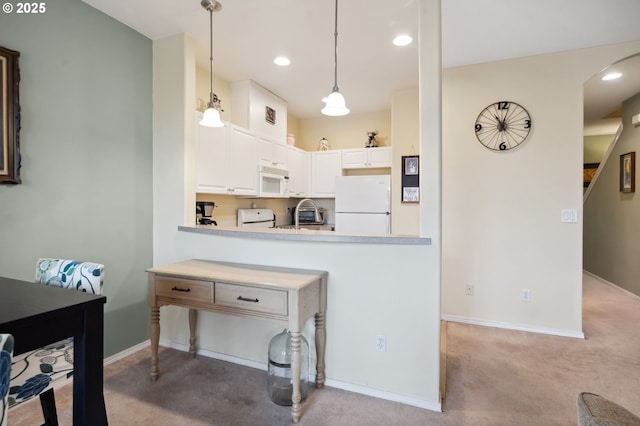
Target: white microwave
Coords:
[[273, 182]]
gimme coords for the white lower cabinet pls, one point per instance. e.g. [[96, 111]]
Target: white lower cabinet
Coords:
[[299, 172], [226, 160], [325, 166]]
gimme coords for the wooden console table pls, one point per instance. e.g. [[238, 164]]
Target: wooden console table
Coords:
[[283, 295]]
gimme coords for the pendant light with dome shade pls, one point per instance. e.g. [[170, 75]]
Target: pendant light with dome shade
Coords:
[[334, 103], [211, 116]]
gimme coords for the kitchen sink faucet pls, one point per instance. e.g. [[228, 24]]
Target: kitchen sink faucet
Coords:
[[315, 211]]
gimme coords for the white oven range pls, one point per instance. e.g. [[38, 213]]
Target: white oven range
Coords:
[[256, 218]]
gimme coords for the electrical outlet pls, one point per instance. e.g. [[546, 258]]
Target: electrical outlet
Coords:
[[525, 296], [381, 343], [468, 290]]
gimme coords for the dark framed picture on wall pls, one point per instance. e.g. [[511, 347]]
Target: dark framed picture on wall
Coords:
[[588, 173], [628, 172], [9, 116], [270, 115], [410, 179]]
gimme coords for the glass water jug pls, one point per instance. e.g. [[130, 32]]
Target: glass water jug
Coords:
[[280, 372]]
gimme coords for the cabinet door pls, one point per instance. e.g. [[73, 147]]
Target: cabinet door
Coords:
[[243, 164], [361, 158], [325, 166], [353, 158], [272, 153], [280, 155], [212, 163], [379, 157], [299, 170]]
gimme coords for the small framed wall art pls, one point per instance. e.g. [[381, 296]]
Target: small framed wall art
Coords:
[[410, 179], [9, 116], [628, 172], [270, 115]]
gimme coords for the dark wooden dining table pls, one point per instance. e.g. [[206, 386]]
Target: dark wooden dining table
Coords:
[[37, 314]]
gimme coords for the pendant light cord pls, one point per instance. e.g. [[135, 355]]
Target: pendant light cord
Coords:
[[335, 52], [211, 56]]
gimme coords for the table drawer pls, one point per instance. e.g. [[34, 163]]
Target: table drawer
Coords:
[[251, 298], [184, 289]]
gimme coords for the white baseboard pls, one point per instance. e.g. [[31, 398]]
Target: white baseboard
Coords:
[[390, 396], [616, 286], [216, 355], [509, 326], [364, 390], [129, 351]]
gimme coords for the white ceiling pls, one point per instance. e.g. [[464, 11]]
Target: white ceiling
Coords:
[[248, 34]]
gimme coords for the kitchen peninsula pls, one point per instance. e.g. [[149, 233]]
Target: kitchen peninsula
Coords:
[[374, 287]]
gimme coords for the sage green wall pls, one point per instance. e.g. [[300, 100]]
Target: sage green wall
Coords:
[[595, 147], [611, 245], [86, 150]]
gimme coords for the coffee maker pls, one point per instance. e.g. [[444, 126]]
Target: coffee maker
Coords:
[[204, 211]]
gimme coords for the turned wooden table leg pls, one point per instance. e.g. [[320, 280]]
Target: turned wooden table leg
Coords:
[[155, 341], [321, 338], [193, 322], [296, 366]]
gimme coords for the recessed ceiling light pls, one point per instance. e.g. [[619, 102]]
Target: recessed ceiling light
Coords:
[[402, 40], [611, 76], [283, 61]]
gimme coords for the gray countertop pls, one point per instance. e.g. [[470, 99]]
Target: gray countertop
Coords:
[[306, 235]]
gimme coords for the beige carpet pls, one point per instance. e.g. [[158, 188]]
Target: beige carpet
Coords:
[[494, 377]]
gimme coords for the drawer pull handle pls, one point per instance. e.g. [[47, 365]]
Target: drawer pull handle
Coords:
[[246, 299], [186, 290]]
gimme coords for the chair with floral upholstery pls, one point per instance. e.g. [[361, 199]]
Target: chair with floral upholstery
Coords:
[[38, 372], [6, 353]]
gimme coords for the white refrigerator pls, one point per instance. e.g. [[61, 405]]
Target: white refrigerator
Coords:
[[363, 204]]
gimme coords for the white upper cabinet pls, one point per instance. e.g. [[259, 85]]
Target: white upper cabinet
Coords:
[[325, 166], [244, 172], [362, 158], [259, 110], [299, 162], [212, 159], [226, 160], [272, 153]]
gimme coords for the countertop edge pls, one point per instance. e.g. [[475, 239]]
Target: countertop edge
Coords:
[[304, 235]]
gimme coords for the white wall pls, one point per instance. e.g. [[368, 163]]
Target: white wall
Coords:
[[173, 142], [405, 124], [501, 210]]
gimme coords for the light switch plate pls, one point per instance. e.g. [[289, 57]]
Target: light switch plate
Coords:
[[569, 215]]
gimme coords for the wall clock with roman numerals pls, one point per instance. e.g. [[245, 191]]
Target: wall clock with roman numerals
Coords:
[[503, 126]]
